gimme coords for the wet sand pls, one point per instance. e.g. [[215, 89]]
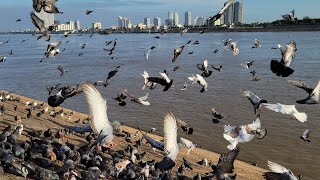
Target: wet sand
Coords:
[[243, 170]]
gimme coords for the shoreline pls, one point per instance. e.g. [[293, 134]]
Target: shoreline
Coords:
[[243, 170]]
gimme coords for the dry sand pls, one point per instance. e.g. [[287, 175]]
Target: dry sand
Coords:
[[243, 170]]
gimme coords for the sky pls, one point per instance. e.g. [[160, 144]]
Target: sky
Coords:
[[107, 11]]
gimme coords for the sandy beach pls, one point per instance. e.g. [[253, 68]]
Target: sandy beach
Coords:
[[243, 170]]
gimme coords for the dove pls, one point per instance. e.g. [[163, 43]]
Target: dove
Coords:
[[171, 146], [243, 133], [39, 24], [184, 86], [234, 48], [177, 52], [226, 42], [146, 55], [256, 44], [314, 93], [290, 17], [89, 12], [247, 64], [204, 67], [217, 67], [47, 5], [220, 13], [287, 109], [254, 99], [200, 80], [226, 161], [305, 135], [150, 82], [100, 123], [52, 49], [141, 100], [62, 71], [279, 172], [216, 116], [184, 126], [288, 54], [188, 144]]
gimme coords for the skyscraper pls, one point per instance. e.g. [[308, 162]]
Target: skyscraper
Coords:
[[238, 16], [156, 23], [47, 18], [228, 15], [175, 19], [120, 23], [187, 19], [78, 27], [199, 21], [147, 22], [96, 25], [170, 19], [125, 22]]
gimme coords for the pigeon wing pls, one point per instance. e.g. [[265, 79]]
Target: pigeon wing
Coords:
[[302, 85], [37, 22], [98, 109], [170, 136], [226, 161]]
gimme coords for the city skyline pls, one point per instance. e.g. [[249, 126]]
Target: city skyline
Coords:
[[106, 12]]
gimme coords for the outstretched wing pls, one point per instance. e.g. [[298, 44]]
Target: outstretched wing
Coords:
[[98, 109], [170, 136], [226, 161], [253, 98], [37, 22], [302, 85]]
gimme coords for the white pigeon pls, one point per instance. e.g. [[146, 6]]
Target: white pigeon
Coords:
[[278, 172], [287, 109], [305, 135], [200, 80], [171, 146], [146, 55], [98, 109], [242, 134], [147, 83], [234, 48], [141, 100], [188, 144]]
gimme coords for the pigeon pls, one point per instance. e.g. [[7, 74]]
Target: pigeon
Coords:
[[6, 42], [215, 51], [184, 126], [151, 81], [279, 172], [290, 17], [111, 49], [11, 52], [89, 11], [63, 93], [204, 67], [62, 71], [39, 24], [243, 133], [184, 86], [196, 42], [154, 143], [254, 99], [52, 49], [220, 13], [83, 45], [217, 117], [67, 33], [120, 99], [288, 54], [111, 74], [200, 80], [176, 68], [152, 130], [190, 52], [254, 76], [47, 5], [256, 44], [171, 146], [187, 164], [305, 136], [177, 52], [203, 162], [157, 37], [217, 67], [141, 100], [225, 163], [183, 31], [98, 109], [18, 20], [314, 93], [287, 109], [188, 144], [234, 48], [201, 32], [146, 55], [2, 58], [226, 42], [247, 64]]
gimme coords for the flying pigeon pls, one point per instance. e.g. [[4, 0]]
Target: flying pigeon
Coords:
[[290, 17], [220, 13], [256, 44], [234, 48], [204, 67], [247, 64], [288, 54], [254, 99], [287, 109], [47, 5], [89, 11], [200, 80], [184, 86], [39, 24], [141, 100], [279, 172], [150, 82], [314, 93], [305, 135], [177, 52]]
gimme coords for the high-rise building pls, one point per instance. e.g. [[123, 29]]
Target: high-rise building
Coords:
[[199, 21], [120, 23], [47, 18], [96, 25], [187, 19], [78, 27], [170, 19], [125, 22], [175, 19], [157, 22], [238, 16], [147, 22], [228, 15], [68, 26]]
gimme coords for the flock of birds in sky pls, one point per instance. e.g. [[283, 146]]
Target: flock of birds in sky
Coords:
[[102, 129]]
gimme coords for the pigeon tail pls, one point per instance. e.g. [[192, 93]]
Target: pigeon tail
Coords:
[[302, 117], [279, 69]]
